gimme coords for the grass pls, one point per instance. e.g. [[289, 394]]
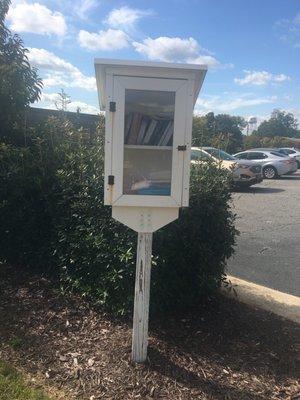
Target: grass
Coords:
[[13, 386]]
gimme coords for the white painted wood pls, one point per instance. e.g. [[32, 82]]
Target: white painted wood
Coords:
[[113, 77], [188, 141], [178, 140], [141, 298], [145, 219], [178, 86], [140, 200], [118, 142], [141, 63], [109, 128], [143, 146], [149, 83], [146, 68]]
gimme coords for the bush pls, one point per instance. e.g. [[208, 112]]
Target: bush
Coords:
[[254, 141], [19, 83], [52, 217]]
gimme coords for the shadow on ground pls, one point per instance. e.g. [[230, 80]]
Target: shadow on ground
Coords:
[[223, 350], [291, 177], [260, 190]]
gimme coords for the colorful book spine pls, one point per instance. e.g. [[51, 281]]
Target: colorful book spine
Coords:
[[150, 130], [141, 130]]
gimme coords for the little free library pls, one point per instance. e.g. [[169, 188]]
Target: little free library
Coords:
[[148, 127]]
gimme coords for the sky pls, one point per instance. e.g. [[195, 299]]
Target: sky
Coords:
[[251, 48]]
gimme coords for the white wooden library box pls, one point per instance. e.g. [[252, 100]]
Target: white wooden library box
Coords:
[[149, 111]]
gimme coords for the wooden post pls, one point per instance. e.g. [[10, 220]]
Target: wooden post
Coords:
[[141, 298]]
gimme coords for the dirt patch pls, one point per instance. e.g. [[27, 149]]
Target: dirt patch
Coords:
[[224, 350]]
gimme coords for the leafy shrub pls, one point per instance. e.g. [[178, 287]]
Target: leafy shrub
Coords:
[[52, 217], [255, 141], [19, 82]]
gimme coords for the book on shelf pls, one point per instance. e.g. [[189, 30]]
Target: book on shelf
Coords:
[[134, 128], [155, 138], [156, 189], [146, 187], [167, 135], [128, 121], [150, 130], [143, 130]]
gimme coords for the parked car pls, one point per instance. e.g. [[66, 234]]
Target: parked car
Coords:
[[291, 153], [244, 173], [274, 164]]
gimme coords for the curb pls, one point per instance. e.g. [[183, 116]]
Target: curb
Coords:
[[282, 304]]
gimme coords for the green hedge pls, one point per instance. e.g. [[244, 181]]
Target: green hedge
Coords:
[[52, 217]]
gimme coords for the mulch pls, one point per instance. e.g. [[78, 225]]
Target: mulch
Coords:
[[223, 350]]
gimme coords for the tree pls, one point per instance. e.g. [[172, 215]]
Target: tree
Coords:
[[203, 129], [221, 131], [19, 82], [254, 141], [63, 100], [281, 123], [229, 135]]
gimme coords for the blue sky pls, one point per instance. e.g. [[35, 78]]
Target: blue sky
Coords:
[[252, 48]]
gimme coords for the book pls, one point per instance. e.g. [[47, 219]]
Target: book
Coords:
[[150, 130], [168, 137], [156, 189], [156, 137], [128, 120], [134, 129], [164, 135], [142, 130]]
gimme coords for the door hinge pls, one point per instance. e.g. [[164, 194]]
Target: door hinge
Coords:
[[112, 106], [111, 179], [181, 148]]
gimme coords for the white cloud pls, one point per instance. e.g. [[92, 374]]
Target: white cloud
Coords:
[[58, 72], [112, 39], [175, 49], [84, 7], [84, 107], [210, 61], [48, 101], [36, 18], [288, 30], [297, 19], [227, 104], [259, 78], [125, 17], [49, 98], [168, 48]]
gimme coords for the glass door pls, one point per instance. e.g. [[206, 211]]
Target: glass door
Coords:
[[147, 130]]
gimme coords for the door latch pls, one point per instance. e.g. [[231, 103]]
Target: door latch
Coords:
[[111, 179], [181, 148], [112, 106]]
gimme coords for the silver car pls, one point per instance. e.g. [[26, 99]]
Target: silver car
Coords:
[[288, 151], [243, 173], [273, 163]]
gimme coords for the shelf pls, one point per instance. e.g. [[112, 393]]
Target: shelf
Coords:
[[145, 147]]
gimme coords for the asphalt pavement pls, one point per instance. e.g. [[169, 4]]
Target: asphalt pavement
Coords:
[[268, 248]]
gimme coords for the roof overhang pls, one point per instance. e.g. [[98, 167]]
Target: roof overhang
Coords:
[[173, 70]]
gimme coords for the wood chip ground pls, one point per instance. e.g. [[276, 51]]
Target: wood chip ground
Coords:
[[223, 350]]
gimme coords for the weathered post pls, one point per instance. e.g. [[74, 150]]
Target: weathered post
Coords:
[[142, 297], [148, 127]]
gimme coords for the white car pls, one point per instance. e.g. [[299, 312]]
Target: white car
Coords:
[[288, 151], [273, 164]]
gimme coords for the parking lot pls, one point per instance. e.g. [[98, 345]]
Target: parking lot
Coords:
[[268, 248]]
